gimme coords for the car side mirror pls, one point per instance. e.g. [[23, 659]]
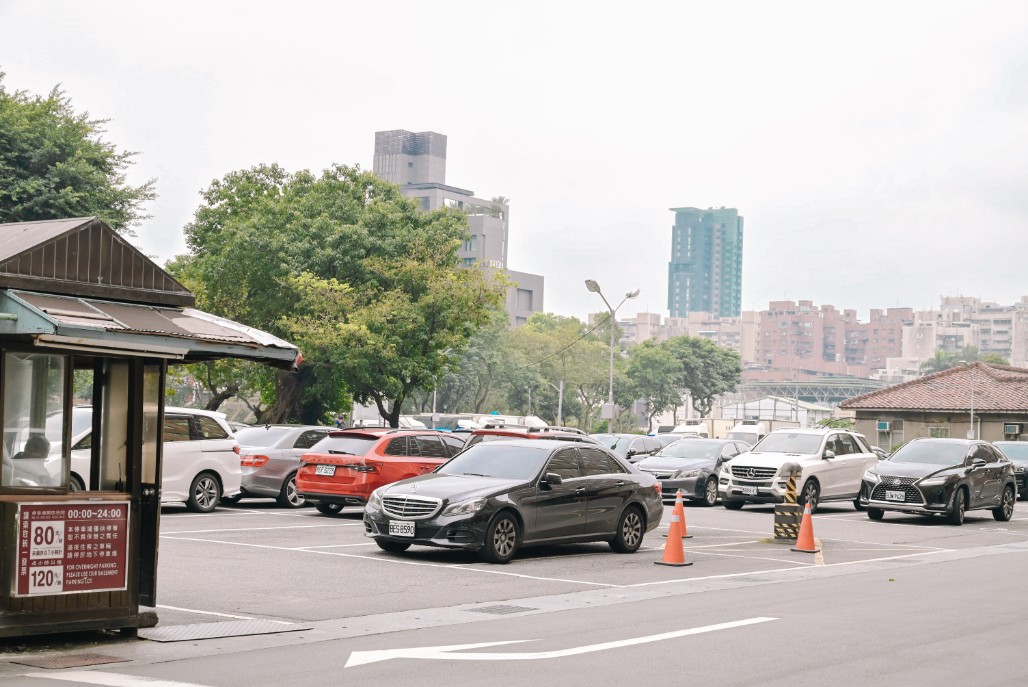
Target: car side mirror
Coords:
[[631, 452], [829, 454], [552, 479], [978, 462]]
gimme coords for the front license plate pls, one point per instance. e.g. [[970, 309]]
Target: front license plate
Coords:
[[329, 470], [401, 529], [748, 491], [895, 496]]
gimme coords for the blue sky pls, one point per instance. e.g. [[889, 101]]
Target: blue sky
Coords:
[[877, 150]]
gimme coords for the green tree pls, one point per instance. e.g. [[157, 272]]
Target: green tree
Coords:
[[369, 286], [707, 370], [651, 373], [55, 164]]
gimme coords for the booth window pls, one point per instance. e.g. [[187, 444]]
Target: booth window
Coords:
[[33, 401]]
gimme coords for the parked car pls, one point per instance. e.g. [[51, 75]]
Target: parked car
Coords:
[[269, 456], [670, 437], [691, 465], [942, 477], [477, 436], [200, 464], [347, 465], [634, 447], [832, 463], [1017, 453], [496, 497]]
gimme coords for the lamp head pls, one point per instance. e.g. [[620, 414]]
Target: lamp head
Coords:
[[632, 294], [592, 285]]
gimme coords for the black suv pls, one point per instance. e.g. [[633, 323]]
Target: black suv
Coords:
[[941, 477]]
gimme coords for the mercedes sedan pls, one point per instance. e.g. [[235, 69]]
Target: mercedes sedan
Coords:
[[691, 465], [495, 497], [941, 477]]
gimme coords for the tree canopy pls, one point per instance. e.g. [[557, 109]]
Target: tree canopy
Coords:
[[342, 264], [55, 164]]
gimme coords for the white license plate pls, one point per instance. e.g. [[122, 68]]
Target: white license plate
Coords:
[[329, 470], [895, 496], [748, 491], [401, 529]]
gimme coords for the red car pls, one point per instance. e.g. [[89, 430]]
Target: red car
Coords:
[[346, 466]]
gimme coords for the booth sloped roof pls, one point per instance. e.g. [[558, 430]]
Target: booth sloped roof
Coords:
[[129, 307], [83, 256], [994, 388]]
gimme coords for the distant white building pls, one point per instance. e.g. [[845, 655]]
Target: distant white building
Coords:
[[777, 408]]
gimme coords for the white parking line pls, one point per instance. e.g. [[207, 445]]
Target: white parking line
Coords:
[[280, 527], [330, 546], [93, 677], [395, 561]]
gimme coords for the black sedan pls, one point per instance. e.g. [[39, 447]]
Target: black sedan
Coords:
[[941, 476], [692, 465], [496, 497]]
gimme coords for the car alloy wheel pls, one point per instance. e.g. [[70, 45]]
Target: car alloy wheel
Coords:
[[809, 495], [710, 492], [289, 497], [501, 539], [204, 493], [629, 535], [1006, 507], [956, 513]]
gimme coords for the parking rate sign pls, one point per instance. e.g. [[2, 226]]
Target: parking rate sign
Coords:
[[71, 547]]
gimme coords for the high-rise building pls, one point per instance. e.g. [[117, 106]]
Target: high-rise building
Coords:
[[417, 163], [705, 272]]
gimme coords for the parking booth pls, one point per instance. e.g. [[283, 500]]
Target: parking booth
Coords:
[[84, 316]]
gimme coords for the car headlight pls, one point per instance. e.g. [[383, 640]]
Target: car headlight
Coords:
[[688, 473], [465, 507], [375, 500], [933, 481], [1019, 468], [872, 476]]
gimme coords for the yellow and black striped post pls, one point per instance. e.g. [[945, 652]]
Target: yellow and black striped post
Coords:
[[788, 515]]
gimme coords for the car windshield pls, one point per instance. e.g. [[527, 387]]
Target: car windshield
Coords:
[[931, 452], [354, 445], [789, 442], [504, 461], [1016, 451], [697, 449], [261, 436]]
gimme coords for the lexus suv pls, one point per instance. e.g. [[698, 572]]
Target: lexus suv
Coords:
[[942, 477], [832, 464]]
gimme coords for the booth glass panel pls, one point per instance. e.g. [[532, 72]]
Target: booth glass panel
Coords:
[[34, 402]]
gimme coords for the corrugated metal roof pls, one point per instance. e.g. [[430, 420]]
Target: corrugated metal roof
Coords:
[[18, 237], [996, 388]]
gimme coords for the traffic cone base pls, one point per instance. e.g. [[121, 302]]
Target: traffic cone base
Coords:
[[805, 540]]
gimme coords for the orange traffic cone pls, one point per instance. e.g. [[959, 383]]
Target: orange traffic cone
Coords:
[[805, 541], [674, 553], [679, 510]]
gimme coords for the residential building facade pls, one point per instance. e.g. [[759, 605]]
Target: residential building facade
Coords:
[[417, 163], [705, 271]]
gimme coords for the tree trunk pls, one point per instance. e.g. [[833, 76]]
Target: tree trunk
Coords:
[[289, 388], [222, 396]]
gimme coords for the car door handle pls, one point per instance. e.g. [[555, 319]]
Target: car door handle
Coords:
[[580, 490], [619, 484]]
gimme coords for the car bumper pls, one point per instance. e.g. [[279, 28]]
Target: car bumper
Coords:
[[764, 491], [452, 532], [691, 487], [256, 485], [917, 499]]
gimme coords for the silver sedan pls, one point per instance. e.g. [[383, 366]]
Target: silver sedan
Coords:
[[269, 456]]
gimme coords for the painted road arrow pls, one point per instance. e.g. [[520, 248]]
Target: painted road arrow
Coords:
[[452, 653]]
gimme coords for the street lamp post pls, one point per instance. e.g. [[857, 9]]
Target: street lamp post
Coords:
[[595, 288], [560, 402]]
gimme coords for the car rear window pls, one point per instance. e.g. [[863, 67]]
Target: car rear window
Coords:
[[355, 445], [261, 436]]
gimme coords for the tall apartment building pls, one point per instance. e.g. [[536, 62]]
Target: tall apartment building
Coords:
[[705, 271], [417, 163]]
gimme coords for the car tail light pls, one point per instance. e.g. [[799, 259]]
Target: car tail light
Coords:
[[236, 449], [256, 461], [658, 489]]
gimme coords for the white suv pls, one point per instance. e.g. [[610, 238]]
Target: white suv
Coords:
[[200, 462], [832, 464]]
